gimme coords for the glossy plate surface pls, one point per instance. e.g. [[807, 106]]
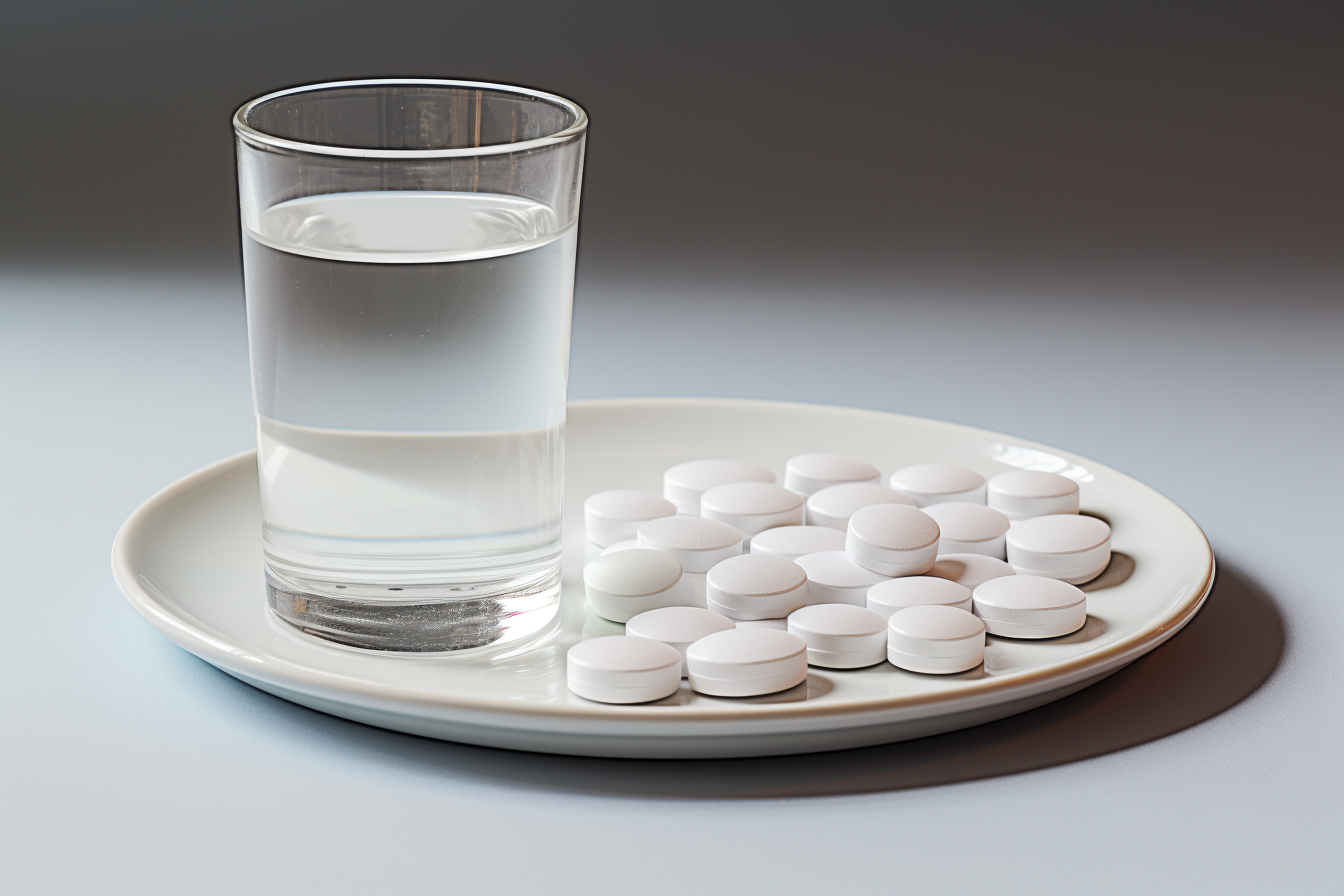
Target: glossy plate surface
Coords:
[[189, 561]]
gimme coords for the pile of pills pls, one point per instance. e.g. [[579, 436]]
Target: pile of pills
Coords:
[[737, 584]]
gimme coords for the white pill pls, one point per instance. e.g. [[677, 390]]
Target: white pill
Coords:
[[835, 505], [756, 586], [808, 474], [1023, 494], [892, 539], [1068, 547], [677, 627], [841, 636], [620, 546], [627, 583], [781, 625], [929, 484], [612, 516], [935, 639], [752, 507], [617, 669], [684, 483], [833, 578], [697, 543], [970, 569], [890, 597], [1030, 607], [792, 542], [747, 662], [966, 528]]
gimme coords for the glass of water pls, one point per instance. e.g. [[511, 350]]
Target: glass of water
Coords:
[[408, 256]]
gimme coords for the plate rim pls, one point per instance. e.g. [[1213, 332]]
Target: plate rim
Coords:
[[228, 653]]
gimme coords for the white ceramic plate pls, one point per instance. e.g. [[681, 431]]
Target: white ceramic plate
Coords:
[[189, 562]]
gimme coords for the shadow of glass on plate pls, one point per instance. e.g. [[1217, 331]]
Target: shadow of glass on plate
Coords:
[[1180, 684]]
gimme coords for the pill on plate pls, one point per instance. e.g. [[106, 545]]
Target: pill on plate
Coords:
[[833, 578], [966, 528], [807, 474], [792, 542], [841, 636], [756, 586], [892, 539], [1023, 494], [627, 583], [1030, 607], [614, 515], [684, 483], [619, 669], [1069, 547], [893, 595], [970, 569], [746, 662], [752, 507], [697, 543], [929, 484], [677, 627], [935, 639], [835, 505]]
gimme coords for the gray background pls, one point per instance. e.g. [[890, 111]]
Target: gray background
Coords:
[[933, 208]]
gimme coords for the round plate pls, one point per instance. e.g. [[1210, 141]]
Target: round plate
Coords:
[[189, 562]]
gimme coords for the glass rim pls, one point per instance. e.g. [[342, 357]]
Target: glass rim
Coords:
[[245, 130]]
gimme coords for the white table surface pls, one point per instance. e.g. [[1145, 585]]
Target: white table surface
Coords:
[[1210, 766]]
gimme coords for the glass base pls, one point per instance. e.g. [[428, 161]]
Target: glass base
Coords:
[[419, 618]]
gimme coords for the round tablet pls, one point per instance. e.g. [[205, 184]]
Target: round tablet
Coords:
[[935, 639], [808, 474], [697, 543], [835, 505], [890, 597], [1068, 547], [612, 516], [747, 662], [1030, 607], [841, 636], [1023, 494], [970, 569], [684, 483], [627, 583], [677, 627], [833, 578], [892, 539], [756, 586], [618, 669], [752, 507], [966, 528], [792, 542], [929, 484]]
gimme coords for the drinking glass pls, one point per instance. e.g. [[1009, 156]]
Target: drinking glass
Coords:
[[408, 257]]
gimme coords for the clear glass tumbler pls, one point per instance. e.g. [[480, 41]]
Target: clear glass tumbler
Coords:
[[408, 255]]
